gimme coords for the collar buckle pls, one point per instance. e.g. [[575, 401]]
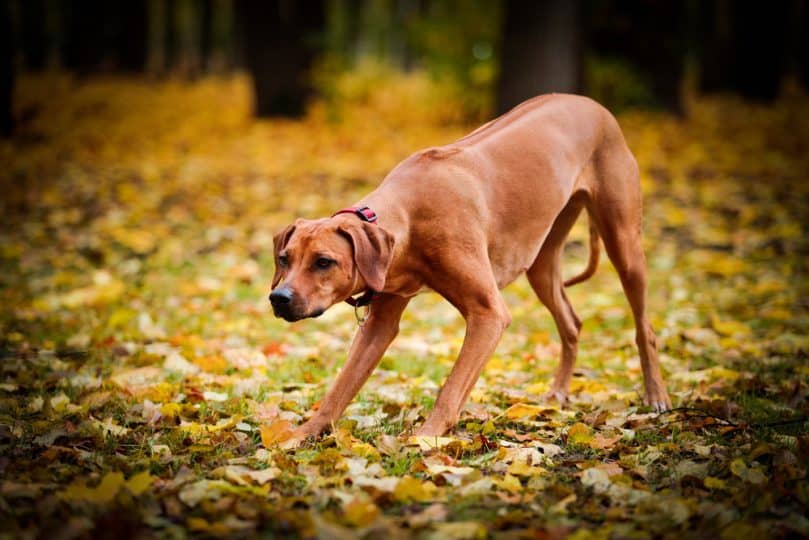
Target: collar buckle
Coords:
[[363, 212]]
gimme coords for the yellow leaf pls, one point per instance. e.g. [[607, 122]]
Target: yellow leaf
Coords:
[[120, 318], [275, 433], [714, 483], [360, 513], [103, 493], [729, 327], [365, 450], [171, 410], [509, 483], [139, 483], [537, 388], [410, 489], [426, 442], [521, 468], [719, 264], [580, 433], [460, 530], [748, 474], [211, 364], [197, 524], [522, 410]]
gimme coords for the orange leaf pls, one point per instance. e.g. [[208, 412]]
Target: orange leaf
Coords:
[[600, 442], [273, 348], [275, 433]]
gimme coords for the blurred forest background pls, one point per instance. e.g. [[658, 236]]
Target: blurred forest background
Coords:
[[491, 54]]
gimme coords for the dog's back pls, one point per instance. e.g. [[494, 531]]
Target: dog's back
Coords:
[[504, 183]]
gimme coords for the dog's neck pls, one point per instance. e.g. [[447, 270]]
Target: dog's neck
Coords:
[[394, 218]]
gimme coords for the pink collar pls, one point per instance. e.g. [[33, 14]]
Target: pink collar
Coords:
[[363, 212]]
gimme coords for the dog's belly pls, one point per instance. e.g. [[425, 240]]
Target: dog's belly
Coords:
[[514, 255], [523, 209]]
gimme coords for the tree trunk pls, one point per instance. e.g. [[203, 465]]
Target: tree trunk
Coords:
[[156, 41], [132, 34], [33, 39], [801, 42], [744, 48], [541, 50], [206, 34], [186, 31], [105, 37], [650, 35], [6, 70], [281, 38]]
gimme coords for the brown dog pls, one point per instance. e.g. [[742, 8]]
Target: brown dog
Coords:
[[465, 220]]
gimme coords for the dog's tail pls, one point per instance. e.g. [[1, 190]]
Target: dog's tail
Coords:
[[592, 262]]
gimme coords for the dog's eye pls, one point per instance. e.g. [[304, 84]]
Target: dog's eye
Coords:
[[323, 262], [283, 260]]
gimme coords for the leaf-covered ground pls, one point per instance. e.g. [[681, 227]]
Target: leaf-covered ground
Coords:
[[145, 384]]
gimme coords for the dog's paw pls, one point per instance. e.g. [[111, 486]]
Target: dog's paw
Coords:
[[434, 427], [659, 401], [559, 396], [297, 438], [301, 435]]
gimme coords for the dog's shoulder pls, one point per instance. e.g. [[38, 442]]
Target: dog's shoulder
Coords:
[[438, 153]]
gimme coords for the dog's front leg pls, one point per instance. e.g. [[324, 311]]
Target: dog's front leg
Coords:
[[484, 327], [370, 343]]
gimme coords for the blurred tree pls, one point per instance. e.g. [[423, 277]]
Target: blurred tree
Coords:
[[647, 39], [156, 60], [541, 50], [130, 40], [101, 36], [206, 31], [342, 29], [217, 35], [282, 38], [33, 39], [801, 35], [743, 47], [6, 69], [186, 23]]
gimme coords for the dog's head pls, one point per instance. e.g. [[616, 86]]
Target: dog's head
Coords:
[[319, 263]]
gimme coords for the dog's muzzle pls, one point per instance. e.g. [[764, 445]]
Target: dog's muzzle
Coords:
[[281, 300]]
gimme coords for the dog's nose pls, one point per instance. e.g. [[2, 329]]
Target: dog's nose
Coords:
[[280, 297]]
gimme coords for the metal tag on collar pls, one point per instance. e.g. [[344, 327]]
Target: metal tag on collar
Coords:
[[362, 313]]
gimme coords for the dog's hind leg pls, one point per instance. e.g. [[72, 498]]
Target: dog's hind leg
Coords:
[[545, 276], [616, 207]]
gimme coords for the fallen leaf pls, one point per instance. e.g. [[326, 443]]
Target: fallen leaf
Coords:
[[359, 513], [522, 410], [752, 475], [580, 433], [409, 489], [105, 492], [275, 433]]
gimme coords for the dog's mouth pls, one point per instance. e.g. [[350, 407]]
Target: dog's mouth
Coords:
[[289, 316]]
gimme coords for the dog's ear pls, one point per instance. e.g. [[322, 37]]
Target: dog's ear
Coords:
[[279, 242], [373, 250]]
